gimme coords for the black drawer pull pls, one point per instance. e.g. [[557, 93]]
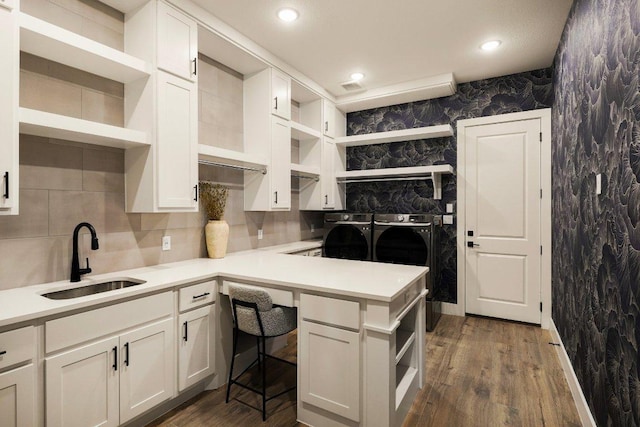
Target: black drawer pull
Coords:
[[6, 185], [186, 331], [201, 295], [115, 358], [2, 353]]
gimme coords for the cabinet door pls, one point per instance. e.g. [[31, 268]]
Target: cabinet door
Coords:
[[330, 369], [196, 355], [280, 169], [9, 69], [280, 94], [16, 397], [328, 177], [146, 368], [82, 386], [177, 43], [329, 118], [177, 143]]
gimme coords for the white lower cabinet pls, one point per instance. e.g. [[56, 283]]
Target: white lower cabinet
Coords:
[[196, 355], [330, 369], [17, 397], [111, 381]]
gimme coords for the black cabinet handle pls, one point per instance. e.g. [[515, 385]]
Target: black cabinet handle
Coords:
[[201, 295], [186, 331], [276, 193], [326, 199], [115, 358], [126, 354], [195, 66], [276, 99], [2, 353], [195, 187], [6, 185]]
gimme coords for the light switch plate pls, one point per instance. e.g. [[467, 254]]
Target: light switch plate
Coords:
[[259, 233], [166, 243], [599, 184], [449, 207], [447, 219]]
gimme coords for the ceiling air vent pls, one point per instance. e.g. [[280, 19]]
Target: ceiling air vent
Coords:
[[351, 86]]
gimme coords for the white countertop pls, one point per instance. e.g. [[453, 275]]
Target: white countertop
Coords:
[[271, 266]]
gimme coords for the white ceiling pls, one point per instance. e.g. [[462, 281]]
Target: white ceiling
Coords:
[[395, 41]]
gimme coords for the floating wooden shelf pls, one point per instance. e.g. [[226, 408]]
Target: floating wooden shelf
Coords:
[[434, 173], [396, 136], [51, 42], [302, 132], [229, 158], [49, 125]]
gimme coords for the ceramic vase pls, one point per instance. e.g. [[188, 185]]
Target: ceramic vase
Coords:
[[217, 235]]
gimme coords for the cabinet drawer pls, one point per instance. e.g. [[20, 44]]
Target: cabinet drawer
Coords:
[[17, 346], [92, 324], [197, 295], [331, 311]]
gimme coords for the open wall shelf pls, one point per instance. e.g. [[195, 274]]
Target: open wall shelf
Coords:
[[51, 42], [49, 125], [396, 136], [302, 132]]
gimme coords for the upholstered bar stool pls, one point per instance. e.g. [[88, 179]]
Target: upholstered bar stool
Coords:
[[254, 314]]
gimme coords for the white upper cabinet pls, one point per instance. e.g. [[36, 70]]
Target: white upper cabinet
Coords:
[[9, 77], [164, 176], [280, 94], [333, 120], [177, 43], [177, 143], [268, 136]]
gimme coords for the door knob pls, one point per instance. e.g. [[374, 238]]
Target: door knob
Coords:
[[471, 244]]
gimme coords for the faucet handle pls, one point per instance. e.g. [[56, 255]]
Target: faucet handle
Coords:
[[88, 269]]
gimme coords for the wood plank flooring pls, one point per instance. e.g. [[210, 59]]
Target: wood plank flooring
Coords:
[[479, 372]]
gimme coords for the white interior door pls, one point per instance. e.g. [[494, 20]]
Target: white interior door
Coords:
[[503, 234]]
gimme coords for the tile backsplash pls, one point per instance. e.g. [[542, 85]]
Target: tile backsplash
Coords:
[[63, 183]]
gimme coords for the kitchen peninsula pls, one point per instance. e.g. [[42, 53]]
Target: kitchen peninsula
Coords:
[[362, 319]]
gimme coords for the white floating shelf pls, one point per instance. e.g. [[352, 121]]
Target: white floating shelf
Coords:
[[229, 158], [51, 42], [428, 132], [302, 132], [434, 173], [49, 125], [312, 172]]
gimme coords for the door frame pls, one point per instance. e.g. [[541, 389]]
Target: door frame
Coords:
[[544, 115]]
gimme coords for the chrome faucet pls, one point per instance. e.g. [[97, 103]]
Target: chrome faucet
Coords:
[[76, 271]]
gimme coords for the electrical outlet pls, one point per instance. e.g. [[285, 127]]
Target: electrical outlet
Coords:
[[166, 243], [259, 233]]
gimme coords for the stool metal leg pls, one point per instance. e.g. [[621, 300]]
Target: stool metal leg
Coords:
[[264, 382], [233, 358]]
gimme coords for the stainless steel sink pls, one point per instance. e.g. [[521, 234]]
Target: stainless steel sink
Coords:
[[94, 288]]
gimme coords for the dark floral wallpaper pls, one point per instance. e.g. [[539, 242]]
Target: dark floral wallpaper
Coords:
[[508, 94], [596, 252]]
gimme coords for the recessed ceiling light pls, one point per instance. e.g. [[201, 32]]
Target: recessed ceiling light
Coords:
[[357, 76], [287, 14], [490, 45]]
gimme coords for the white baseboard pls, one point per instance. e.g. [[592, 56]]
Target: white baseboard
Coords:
[[576, 391]]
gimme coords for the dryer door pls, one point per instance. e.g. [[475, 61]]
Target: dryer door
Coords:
[[347, 242], [402, 245]]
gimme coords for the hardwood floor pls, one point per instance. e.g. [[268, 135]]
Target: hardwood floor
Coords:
[[479, 372]]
